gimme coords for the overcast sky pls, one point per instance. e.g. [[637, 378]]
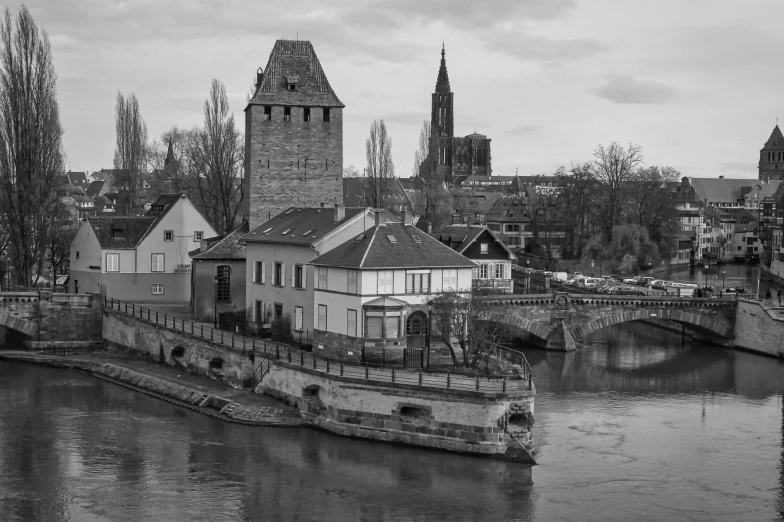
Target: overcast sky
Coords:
[[698, 84]]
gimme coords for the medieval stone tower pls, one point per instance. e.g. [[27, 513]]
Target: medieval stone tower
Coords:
[[452, 159], [771, 163], [293, 136]]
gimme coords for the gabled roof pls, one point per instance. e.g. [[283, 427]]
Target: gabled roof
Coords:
[[466, 236], [294, 62], [776, 140], [230, 246], [393, 245], [509, 210], [720, 189], [358, 192], [299, 226], [77, 178], [94, 188], [120, 232]]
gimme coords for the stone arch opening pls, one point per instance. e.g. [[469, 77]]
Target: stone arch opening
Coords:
[[710, 325], [216, 363], [178, 351], [313, 398], [415, 414]]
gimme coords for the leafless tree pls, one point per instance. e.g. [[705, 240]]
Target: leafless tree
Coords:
[[130, 151], [423, 148], [350, 172], [217, 157], [612, 169], [31, 155], [380, 166]]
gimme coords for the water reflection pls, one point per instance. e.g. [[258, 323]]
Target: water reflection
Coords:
[[122, 456]]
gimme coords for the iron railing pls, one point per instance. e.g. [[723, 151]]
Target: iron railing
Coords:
[[281, 352]]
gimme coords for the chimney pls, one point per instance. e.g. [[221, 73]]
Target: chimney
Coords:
[[408, 217], [340, 212], [381, 217], [203, 246]]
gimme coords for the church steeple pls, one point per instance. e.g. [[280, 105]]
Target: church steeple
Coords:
[[771, 164], [442, 84]]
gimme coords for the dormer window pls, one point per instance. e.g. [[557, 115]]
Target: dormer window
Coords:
[[291, 82], [117, 233]]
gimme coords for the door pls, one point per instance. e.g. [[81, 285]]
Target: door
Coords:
[[416, 331]]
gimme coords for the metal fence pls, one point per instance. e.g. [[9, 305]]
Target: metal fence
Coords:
[[326, 365]]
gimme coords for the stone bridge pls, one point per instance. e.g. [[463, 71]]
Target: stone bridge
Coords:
[[563, 321], [44, 319]]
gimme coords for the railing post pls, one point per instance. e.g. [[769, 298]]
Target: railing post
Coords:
[[232, 340], [504, 386], [448, 379], [126, 307], [212, 334], [341, 368], [327, 365], [477, 384], [420, 377], [201, 334], [277, 352], [133, 310], [314, 362], [148, 314], [165, 320], [302, 358], [366, 372], [393, 374], [289, 352], [221, 336]]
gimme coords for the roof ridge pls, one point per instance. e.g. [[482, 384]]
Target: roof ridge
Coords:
[[370, 243]]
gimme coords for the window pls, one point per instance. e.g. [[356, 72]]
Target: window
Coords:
[[168, 235], [326, 114], [112, 262], [286, 113], [482, 271], [322, 317], [117, 233], [198, 236], [157, 289], [499, 271], [450, 279], [267, 112], [483, 248], [385, 281], [277, 274], [351, 323], [299, 276], [322, 278], [393, 326], [224, 284], [259, 273], [417, 282], [512, 228], [352, 282], [306, 114], [374, 325], [298, 318], [157, 263]]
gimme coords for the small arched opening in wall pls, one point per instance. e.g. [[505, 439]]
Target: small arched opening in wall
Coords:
[[312, 397], [178, 351], [216, 363], [518, 422], [415, 414]]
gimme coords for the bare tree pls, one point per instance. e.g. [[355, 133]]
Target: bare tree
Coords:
[[217, 158], [31, 155], [423, 148], [380, 167], [612, 169], [130, 151], [350, 172]]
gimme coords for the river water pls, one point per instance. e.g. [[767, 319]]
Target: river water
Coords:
[[639, 425]]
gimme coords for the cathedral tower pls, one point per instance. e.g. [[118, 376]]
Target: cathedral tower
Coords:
[[293, 136], [452, 159], [771, 163]]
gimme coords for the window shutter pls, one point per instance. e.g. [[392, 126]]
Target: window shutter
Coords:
[[283, 274], [293, 274], [425, 283], [352, 323], [253, 271], [304, 276], [263, 272]]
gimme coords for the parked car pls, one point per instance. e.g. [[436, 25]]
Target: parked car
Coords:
[[593, 282], [626, 290], [734, 290], [645, 281], [660, 284]]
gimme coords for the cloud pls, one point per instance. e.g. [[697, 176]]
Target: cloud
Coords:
[[543, 49], [631, 91], [523, 129]]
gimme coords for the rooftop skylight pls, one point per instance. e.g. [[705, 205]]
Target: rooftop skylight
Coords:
[[392, 239], [417, 239], [267, 231], [286, 231], [308, 232]]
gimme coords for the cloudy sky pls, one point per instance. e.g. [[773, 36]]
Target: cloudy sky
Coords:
[[697, 83]]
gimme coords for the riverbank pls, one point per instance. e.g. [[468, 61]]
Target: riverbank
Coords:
[[195, 393]]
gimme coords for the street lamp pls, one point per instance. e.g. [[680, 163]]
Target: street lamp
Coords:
[[723, 275], [215, 303], [429, 307]]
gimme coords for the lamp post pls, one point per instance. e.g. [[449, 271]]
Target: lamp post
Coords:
[[723, 275], [429, 307], [215, 302]]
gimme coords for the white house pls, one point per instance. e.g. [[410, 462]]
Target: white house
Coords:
[[279, 280], [370, 292], [142, 258]]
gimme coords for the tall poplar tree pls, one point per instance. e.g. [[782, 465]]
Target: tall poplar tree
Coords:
[[130, 152], [31, 155]]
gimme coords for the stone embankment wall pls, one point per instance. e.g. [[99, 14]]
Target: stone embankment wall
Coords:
[[453, 420], [177, 348], [759, 328], [69, 318]]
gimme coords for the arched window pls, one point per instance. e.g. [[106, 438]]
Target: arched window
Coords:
[[223, 283]]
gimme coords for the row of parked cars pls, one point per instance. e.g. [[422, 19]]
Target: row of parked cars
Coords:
[[604, 285]]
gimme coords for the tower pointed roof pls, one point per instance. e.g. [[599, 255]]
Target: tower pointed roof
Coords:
[[169, 156], [294, 77], [442, 84], [776, 140]]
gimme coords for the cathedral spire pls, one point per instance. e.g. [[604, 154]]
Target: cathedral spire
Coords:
[[442, 84]]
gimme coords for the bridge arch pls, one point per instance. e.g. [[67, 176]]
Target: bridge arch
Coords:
[[542, 331], [17, 324], [705, 322]]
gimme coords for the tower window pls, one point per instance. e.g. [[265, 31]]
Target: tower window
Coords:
[[326, 114], [267, 112], [306, 114], [286, 113]]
